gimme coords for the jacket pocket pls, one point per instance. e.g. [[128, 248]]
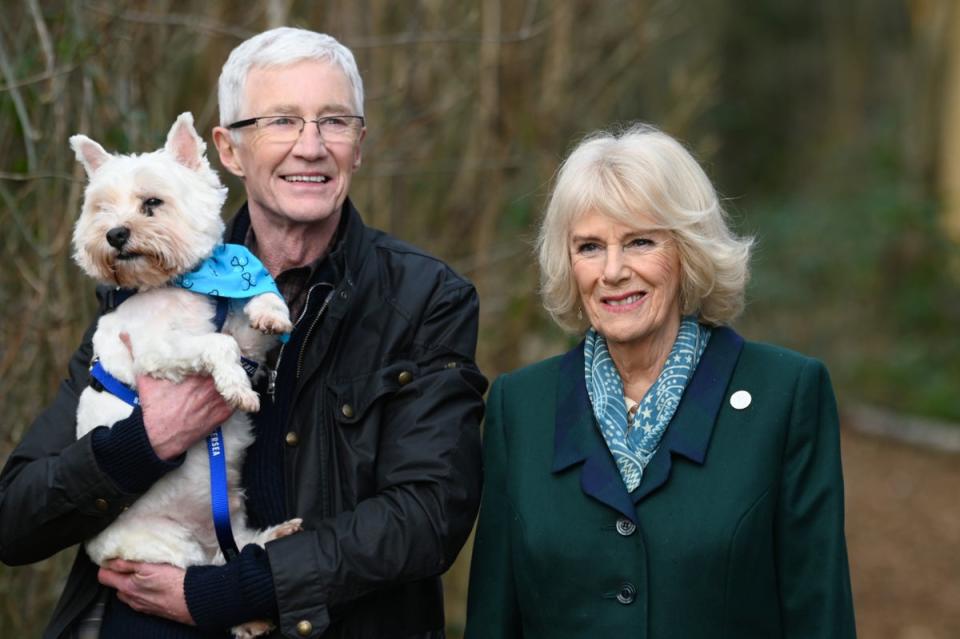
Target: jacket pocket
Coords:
[[356, 396]]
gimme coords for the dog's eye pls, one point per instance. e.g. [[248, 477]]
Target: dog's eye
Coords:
[[149, 204]]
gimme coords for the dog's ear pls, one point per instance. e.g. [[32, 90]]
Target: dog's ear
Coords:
[[90, 154], [184, 144]]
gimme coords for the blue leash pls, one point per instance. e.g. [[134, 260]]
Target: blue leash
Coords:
[[219, 500]]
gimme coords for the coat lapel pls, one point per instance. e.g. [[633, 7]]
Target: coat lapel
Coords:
[[689, 432], [577, 440]]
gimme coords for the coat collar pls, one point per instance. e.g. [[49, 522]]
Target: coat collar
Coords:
[[347, 251], [576, 438]]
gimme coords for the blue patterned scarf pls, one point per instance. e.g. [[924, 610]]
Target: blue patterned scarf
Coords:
[[633, 445], [230, 271]]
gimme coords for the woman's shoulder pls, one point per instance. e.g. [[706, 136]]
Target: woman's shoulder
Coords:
[[536, 373], [775, 352], [773, 358]]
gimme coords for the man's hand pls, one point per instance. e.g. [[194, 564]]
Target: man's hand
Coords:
[[177, 415], [153, 589]]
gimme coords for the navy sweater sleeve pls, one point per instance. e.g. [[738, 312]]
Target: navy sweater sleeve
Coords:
[[224, 596], [124, 453]]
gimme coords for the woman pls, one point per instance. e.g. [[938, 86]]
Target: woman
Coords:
[[665, 478]]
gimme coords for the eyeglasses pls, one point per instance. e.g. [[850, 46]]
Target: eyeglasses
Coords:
[[287, 128]]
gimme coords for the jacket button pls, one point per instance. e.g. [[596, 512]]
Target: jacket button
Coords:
[[627, 594], [102, 505], [347, 410], [626, 527], [405, 377], [292, 439], [304, 628]]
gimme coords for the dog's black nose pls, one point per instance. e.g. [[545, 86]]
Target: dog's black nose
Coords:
[[118, 236]]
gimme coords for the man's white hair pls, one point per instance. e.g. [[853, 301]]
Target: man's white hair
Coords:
[[280, 47]]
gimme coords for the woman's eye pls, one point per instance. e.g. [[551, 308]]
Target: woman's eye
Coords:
[[640, 242], [587, 247]]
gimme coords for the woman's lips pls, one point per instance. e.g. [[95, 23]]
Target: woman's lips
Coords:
[[623, 303]]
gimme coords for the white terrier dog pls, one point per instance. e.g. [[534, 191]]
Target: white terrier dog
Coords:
[[146, 220]]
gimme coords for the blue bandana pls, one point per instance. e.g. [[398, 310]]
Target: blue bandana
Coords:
[[231, 271], [633, 443]]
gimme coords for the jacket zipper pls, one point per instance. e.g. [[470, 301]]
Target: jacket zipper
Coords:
[[272, 373], [306, 338]]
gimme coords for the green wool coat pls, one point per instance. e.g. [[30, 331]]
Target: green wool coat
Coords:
[[735, 532]]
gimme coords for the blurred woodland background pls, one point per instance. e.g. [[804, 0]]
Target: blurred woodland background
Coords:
[[831, 128]]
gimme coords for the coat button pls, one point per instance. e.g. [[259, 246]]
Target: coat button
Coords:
[[292, 439], [405, 377], [347, 410], [102, 505], [304, 628], [627, 594], [626, 527]]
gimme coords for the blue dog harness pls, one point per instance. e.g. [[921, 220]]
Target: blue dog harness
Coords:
[[231, 272]]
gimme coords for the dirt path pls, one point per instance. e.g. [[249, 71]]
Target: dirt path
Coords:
[[903, 534]]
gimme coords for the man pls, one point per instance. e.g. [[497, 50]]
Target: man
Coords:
[[368, 428]]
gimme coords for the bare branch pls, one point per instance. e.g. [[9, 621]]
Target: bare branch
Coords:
[[29, 135], [27, 177], [446, 37], [40, 77], [12, 207], [43, 35], [190, 21]]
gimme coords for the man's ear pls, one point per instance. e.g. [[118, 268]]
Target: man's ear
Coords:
[[357, 151], [227, 148]]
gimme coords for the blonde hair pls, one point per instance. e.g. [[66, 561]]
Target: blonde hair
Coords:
[[643, 170]]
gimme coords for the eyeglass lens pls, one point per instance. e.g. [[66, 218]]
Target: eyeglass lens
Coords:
[[332, 129]]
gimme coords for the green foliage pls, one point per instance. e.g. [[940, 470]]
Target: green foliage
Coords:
[[861, 279]]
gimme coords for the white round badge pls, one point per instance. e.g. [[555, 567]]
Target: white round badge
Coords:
[[741, 399]]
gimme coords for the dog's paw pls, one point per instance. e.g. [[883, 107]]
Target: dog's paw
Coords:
[[252, 629], [269, 314], [265, 536], [272, 323], [242, 398], [294, 525]]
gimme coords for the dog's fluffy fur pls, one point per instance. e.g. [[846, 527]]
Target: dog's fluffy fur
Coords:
[[169, 203]]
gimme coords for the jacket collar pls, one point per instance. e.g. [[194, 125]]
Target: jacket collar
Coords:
[[346, 258], [577, 440]]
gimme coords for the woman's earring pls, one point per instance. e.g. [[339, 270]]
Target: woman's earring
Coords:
[[579, 312]]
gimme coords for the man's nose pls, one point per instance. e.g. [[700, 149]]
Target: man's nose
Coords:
[[310, 143]]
